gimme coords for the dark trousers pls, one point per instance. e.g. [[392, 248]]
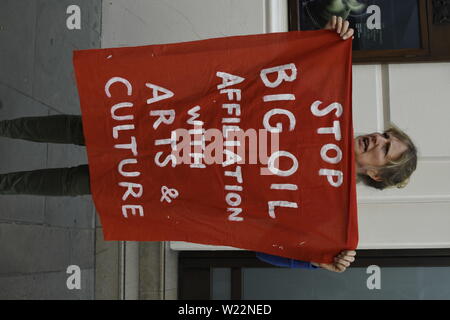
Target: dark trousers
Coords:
[[73, 181]]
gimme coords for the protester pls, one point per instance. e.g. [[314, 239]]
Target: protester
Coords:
[[382, 160]]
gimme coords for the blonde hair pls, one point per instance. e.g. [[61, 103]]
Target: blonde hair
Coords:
[[396, 173]]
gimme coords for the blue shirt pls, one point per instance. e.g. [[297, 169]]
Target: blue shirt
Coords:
[[284, 262]]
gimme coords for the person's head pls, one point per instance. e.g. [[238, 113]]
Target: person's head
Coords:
[[385, 159]]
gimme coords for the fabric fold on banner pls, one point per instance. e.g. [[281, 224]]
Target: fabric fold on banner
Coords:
[[243, 141]]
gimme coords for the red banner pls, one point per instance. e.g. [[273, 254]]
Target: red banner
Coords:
[[242, 141]]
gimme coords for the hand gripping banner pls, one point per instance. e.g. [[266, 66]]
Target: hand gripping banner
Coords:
[[242, 141]]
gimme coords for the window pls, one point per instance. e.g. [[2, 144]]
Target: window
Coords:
[[385, 30], [405, 274]]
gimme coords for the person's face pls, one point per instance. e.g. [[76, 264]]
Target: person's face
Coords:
[[376, 150]]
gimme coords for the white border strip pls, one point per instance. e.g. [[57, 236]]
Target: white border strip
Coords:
[[405, 245], [186, 246], [276, 16], [404, 199], [383, 97]]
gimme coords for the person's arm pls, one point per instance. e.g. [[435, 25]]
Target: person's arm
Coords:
[[341, 261], [284, 262]]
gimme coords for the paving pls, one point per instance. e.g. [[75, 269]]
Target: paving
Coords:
[[40, 237]]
